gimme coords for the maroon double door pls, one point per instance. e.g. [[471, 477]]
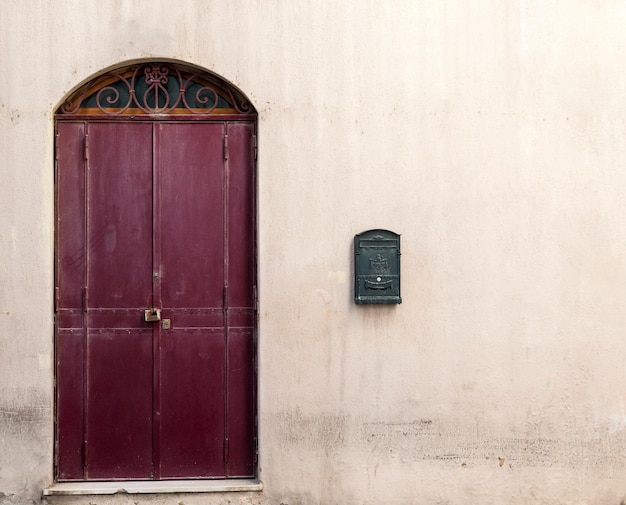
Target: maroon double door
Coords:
[[155, 300]]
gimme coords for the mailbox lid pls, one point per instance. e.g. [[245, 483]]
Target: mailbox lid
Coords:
[[377, 267]]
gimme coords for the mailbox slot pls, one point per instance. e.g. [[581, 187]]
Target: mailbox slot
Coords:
[[377, 267]]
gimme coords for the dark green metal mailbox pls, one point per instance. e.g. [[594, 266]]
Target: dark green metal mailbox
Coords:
[[377, 267]]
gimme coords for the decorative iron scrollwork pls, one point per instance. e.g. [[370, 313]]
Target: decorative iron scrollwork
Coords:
[[156, 88]]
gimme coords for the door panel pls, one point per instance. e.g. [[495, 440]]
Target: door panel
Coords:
[[241, 401], [120, 216], [69, 433], [70, 230], [241, 303], [119, 362], [191, 238], [70, 238], [191, 215], [119, 409], [241, 206], [192, 403]]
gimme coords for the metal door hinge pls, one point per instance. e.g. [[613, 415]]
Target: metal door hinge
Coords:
[[254, 147], [86, 145], [226, 450], [85, 299], [56, 145], [225, 298], [225, 147]]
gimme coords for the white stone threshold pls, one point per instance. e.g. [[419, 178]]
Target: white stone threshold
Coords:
[[153, 487]]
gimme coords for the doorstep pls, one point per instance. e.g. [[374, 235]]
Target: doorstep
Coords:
[[153, 487]]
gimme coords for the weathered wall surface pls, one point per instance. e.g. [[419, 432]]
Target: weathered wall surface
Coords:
[[491, 135]]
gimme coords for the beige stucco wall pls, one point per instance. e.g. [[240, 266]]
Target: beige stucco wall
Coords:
[[491, 135]]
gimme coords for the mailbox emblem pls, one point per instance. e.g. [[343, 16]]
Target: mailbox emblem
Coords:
[[377, 267]]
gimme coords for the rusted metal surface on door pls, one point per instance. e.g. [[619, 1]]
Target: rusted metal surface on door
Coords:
[[155, 215]]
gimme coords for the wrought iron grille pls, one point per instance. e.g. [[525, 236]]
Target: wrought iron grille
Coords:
[[156, 88]]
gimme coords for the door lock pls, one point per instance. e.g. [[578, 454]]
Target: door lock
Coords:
[[152, 315]]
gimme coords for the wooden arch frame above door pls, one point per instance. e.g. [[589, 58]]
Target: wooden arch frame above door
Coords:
[[155, 277]]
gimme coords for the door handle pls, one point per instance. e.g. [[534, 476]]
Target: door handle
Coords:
[[152, 315]]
